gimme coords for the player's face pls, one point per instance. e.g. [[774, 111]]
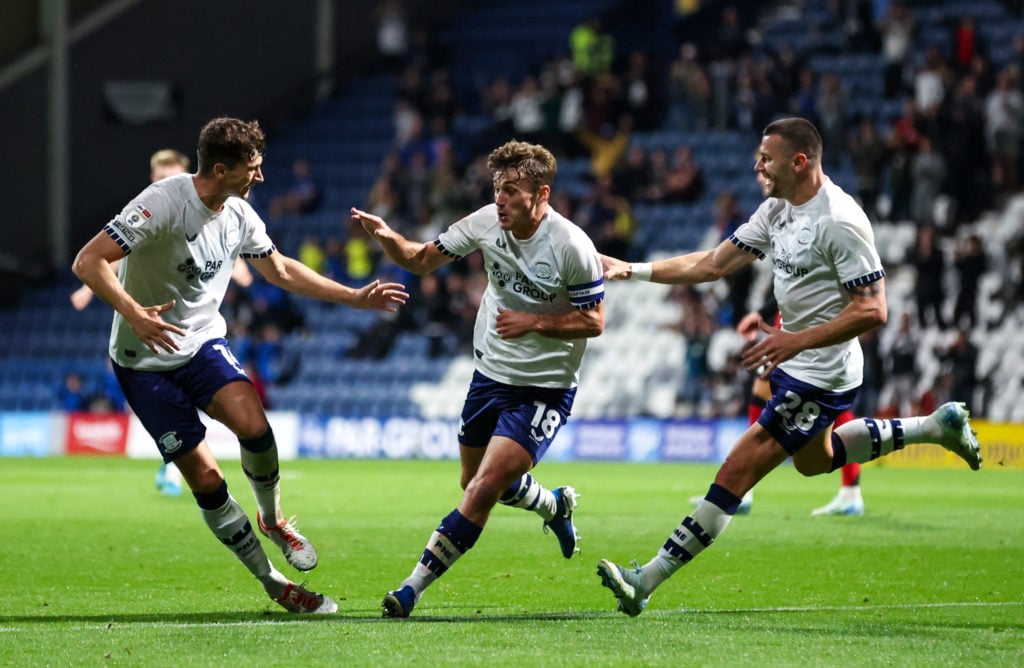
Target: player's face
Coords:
[[774, 167], [519, 208], [240, 179]]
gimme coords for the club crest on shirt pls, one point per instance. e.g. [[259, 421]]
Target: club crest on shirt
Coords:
[[804, 236], [542, 270]]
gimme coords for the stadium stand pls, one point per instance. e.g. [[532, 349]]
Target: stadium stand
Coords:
[[346, 140]]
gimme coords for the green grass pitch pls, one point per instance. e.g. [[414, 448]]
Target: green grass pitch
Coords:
[[98, 569]]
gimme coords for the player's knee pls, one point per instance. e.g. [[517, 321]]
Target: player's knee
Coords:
[[261, 443], [810, 467], [205, 481]]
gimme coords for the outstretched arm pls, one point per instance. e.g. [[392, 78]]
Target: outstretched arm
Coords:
[[291, 275], [414, 256], [698, 267]]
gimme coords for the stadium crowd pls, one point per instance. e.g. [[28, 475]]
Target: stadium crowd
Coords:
[[939, 147]]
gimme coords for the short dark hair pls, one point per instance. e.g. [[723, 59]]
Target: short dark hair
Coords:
[[532, 161], [799, 134], [229, 141]]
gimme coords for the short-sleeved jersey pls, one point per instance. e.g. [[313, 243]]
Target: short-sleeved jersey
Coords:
[[819, 251], [554, 271], [176, 248]]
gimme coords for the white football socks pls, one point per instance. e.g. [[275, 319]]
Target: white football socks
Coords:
[[231, 526], [696, 532]]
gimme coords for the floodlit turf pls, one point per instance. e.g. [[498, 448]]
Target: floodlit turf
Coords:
[[99, 569]]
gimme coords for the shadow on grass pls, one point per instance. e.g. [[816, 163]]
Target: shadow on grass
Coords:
[[490, 614]]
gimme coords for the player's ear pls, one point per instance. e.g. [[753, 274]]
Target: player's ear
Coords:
[[799, 161], [543, 193]]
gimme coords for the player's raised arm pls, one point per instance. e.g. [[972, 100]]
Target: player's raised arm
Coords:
[[417, 257]]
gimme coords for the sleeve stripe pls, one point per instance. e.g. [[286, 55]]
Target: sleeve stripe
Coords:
[[117, 238], [864, 280], [265, 253], [445, 251], [746, 247]]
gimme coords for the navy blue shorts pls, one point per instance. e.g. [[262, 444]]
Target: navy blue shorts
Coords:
[[168, 402], [798, 411], [530, 416]]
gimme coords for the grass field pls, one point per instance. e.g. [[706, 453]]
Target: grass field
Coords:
[[99, 569]]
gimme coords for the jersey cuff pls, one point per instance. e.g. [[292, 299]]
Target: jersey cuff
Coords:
[[746, 247], [865, 279]]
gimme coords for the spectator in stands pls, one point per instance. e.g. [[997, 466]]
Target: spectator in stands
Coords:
[[311, 253], [830, 110], [302, 196], [971, 263], [896, 28], [930, 82], [167, 340], [961, 360], [867, 402], [684, 181], [902, 142], [868, 153], [526, 109], [632, 176], [697, 327], [72, 394], [929, 289], [607, 217], [643, 92], [1004, 116], [967, 43], [963, 146], [429, 315], [544, 300], [593, 50], [274, 363], [898, 394], [392, 34], [689, 91], [606, 126], [928, 176]]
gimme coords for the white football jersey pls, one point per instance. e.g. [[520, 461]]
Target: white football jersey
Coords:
[[554, 271], [176, 248], [818, 251]]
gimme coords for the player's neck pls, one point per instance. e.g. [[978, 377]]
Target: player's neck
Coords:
[[806, 191], [209, 193]]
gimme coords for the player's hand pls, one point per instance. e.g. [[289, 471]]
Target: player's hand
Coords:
[[771, 351], [382, 296], [81, 297], [374, 225], [749, 325], [513, 324], [615, 269], [152, 330]]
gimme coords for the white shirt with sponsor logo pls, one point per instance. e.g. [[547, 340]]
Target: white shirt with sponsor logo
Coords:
[[176, 248], [552, 272], [818, 250]]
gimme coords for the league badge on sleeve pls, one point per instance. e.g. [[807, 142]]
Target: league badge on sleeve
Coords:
[[139, 216]]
